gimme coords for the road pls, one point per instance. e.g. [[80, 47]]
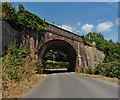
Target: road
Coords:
[[71, 85]]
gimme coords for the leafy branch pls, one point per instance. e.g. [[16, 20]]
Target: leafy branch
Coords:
[[22, 18]]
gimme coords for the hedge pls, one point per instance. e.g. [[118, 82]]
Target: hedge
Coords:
[[111, 69], [56, 64]]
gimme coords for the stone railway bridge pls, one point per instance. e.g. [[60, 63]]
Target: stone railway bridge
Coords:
[[55, 38]]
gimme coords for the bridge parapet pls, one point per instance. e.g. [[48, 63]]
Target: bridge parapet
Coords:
[[64, 33]]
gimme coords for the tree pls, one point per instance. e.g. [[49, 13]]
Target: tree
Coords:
[[92, 37], [8, 12], [110, 49], [22, 18], [56, 55]]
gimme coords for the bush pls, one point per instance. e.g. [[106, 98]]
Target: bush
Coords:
[[39, 69], [89, 70], [111, 69], [17, 63], [56, 64]]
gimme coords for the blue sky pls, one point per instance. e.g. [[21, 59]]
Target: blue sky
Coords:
[[80, 17]]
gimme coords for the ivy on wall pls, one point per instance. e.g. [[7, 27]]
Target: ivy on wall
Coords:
[[22, 18]]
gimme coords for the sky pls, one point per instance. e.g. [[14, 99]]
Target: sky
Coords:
[[79, 17], [60, 0]]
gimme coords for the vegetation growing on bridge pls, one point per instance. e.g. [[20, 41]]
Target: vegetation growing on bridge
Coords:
[[21, 18], [17, 63], [15, 57], [111, 64]]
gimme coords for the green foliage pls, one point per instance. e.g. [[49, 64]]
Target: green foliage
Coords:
[[15, 63], [56, 64], [89, 70], [0, 11], [110, 49], [22, 18], [29, 20], [111, 69], [17, 55], [111, 64], [96, 38], [93, 37], [56, 55], [39, 68], [14, 74], [8, 12]]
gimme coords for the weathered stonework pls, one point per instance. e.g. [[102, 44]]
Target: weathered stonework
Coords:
[[79, 55], [68, 41], [94, 56], [9, 35], [12, 36]]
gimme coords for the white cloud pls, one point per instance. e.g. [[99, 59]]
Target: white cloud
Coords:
[[117, 21], [67, 27], [105, 26], [78, 23], [87, 28]]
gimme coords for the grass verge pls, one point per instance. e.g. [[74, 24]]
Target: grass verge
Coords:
[[102, 78], [19, 89]]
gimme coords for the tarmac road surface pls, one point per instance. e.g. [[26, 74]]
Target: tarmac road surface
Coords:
[[71, 85]]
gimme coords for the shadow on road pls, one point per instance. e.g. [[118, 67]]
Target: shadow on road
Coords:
[[53, 71]]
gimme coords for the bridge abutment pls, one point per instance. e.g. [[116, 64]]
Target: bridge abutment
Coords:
[[78, 63], [81, 54]]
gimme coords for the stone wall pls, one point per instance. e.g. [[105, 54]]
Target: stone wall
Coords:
[[34, 41], [12, 36], [63, 33], [94, 56], [9, 35], [0, 37]]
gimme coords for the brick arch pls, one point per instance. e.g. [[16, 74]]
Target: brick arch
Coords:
[[62, 45], [50, 38]]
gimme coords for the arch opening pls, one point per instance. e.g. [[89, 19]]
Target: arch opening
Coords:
[[63, 46]]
